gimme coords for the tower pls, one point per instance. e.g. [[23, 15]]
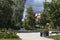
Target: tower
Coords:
[[45, 0]]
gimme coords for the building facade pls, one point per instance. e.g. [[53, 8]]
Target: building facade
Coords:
[[38, 16]]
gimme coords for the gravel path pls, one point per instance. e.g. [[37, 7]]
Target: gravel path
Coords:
[[31, 36]]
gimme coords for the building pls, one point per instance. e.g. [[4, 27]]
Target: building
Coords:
[[38, 16]]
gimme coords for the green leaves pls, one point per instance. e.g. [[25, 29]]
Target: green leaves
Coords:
[[29, 22], [52, 11], [5, 13]]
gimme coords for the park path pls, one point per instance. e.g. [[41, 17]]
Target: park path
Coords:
[[32, 36]]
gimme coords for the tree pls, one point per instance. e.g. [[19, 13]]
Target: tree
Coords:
[[5, 13], [11, 12], [18, 12], [52, 11], [42, 20], [30, 19]]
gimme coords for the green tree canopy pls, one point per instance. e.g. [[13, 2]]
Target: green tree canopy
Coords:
[[6, 13], [18, 10], [52, 11], [30, 19]]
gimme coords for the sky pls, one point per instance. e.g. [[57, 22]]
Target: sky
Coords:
[[37, 5]]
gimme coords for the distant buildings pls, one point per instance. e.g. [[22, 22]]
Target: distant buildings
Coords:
[[38, 16]]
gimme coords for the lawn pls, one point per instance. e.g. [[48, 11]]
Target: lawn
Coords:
[[55, 37], [9, 39]]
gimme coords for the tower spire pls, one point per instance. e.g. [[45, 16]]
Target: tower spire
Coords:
[[45, 0]]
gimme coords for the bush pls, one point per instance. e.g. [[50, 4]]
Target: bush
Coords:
[[8, 34]]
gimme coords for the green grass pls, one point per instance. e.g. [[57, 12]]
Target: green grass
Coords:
[[10, 39], [55, 37]]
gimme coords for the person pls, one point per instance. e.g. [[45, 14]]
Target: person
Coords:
[[41, 34]]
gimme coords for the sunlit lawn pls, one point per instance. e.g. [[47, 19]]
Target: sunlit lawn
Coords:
[[55, 37], [9, 39]]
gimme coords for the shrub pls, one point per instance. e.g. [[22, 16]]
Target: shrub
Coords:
[[8, 34]]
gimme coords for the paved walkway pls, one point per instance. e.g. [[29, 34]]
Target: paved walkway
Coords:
[[31, 36]]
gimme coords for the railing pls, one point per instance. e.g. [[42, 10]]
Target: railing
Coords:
[[53, 33]]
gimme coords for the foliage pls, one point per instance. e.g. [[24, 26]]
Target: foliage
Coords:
[[42, 20], [7, 34], [18, 9], [52, 11], [29, 22], [5, 13], [11, 13]]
